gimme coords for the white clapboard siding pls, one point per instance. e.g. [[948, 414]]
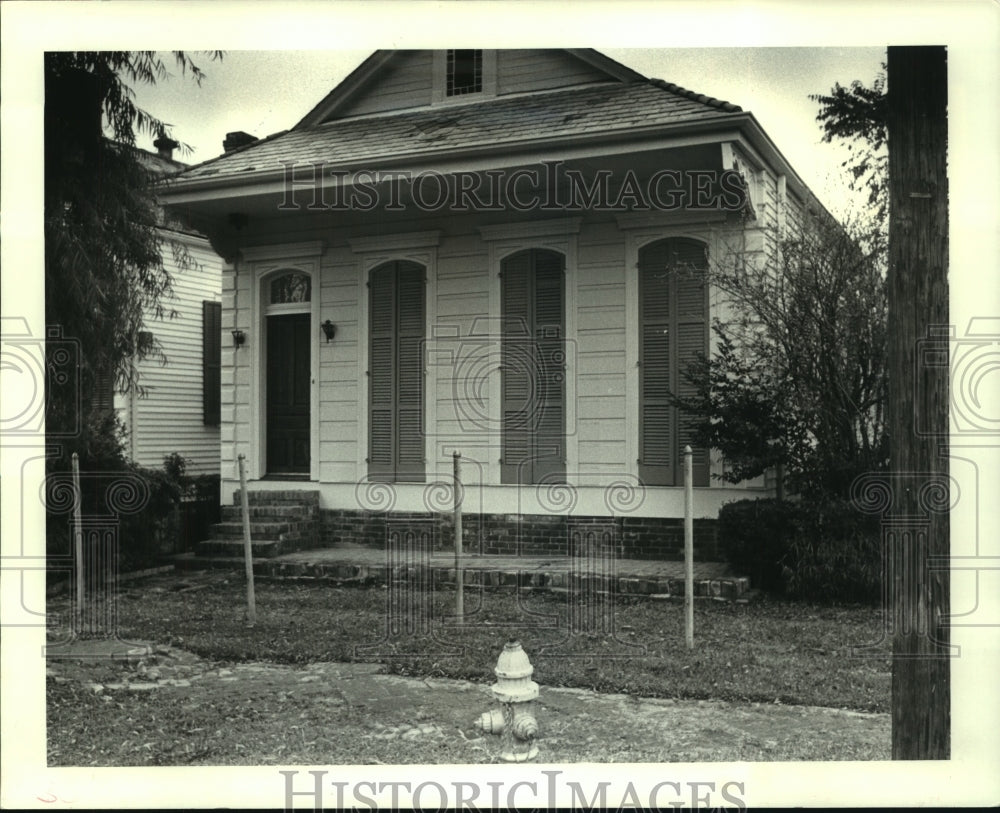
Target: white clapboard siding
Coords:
[[168, 416], [339, 366], [405, 83], [524, 70], [601, 423]]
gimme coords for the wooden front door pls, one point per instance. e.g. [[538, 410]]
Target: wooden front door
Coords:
[[288, 388]]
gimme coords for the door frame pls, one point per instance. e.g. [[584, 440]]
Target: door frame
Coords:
[[265, 262]]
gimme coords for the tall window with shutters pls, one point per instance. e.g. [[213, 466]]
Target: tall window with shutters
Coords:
[[673, 330], [396, 373], [533, 425], [211, 362]]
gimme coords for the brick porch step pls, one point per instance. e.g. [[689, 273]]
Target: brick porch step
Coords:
[[630, 577], [280, 522]]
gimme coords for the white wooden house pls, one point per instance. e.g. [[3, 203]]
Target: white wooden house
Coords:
[[495, 252], [178, 408]]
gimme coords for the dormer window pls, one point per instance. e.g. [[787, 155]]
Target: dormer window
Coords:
[[465, 72], [463, 76]]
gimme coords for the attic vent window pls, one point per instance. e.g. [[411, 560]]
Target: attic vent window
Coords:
[[465, 72]]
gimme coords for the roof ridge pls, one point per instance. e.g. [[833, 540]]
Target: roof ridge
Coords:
[[711, 101]]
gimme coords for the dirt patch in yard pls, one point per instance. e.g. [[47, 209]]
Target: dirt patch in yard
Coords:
[[170, 707]]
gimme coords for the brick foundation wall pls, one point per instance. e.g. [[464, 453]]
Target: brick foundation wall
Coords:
[[528, 534]]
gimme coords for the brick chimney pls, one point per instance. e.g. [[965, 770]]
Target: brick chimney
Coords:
[[165, 147], [236, 140]]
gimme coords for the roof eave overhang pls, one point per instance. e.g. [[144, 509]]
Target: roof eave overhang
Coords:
[[727, 127]]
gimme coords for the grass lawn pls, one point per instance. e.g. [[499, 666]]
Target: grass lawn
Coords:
[[303, 686], [763, 651]]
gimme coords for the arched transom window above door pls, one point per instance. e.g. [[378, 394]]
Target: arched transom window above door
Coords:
[[289, 288]]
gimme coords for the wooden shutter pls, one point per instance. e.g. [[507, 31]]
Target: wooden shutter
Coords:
[[409, 372], [550, 424], [533, 358], [673, 310], [692, 341], [103, 398], [396, 372], [211, 363]]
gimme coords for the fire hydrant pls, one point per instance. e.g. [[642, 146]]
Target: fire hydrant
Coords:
[[516, 693]]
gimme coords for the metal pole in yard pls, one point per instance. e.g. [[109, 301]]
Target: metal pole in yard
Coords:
[[247, 551], [78, 542], [459, 573], [688, 549]]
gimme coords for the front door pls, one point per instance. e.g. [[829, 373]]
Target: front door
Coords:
[[288, 387]]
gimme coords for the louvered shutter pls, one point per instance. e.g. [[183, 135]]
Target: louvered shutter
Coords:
[[656, 417], [396, 373], [533, 356], [673, 310], [211, 362], [381, 369], [517, 376], [409, 372], [550, 433], [692, 342], [103, 400]]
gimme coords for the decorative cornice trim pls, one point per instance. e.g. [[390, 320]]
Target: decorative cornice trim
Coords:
[[542, 228], [284, 251], [395, 242]]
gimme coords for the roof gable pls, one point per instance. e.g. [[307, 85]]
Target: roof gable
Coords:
[[411, 79]]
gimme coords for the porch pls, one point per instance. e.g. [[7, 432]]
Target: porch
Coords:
[[365, 566]]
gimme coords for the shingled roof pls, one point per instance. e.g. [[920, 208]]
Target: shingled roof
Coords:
[[613, 107]]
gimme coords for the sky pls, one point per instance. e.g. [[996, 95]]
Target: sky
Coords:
[[264, 92]]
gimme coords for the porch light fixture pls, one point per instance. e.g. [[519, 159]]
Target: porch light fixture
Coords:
[[239, 338], [329, 330]]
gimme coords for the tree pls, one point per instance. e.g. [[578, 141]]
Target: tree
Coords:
[[856, 116], [798, 381], [103, 253]]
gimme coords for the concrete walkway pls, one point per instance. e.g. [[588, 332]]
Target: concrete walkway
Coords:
[[353, 713], [359, 564]]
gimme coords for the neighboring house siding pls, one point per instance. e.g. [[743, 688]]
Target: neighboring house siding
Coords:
[[169, 416], [523, 70]]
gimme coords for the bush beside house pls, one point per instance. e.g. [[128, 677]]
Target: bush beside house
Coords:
[[820, 549]]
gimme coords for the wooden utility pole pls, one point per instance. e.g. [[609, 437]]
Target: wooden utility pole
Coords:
[[918, 399], [688, 549]]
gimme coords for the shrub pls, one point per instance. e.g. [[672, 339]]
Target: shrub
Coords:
[[754, 536], [145, 535], [820, 549], [836, 555]]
